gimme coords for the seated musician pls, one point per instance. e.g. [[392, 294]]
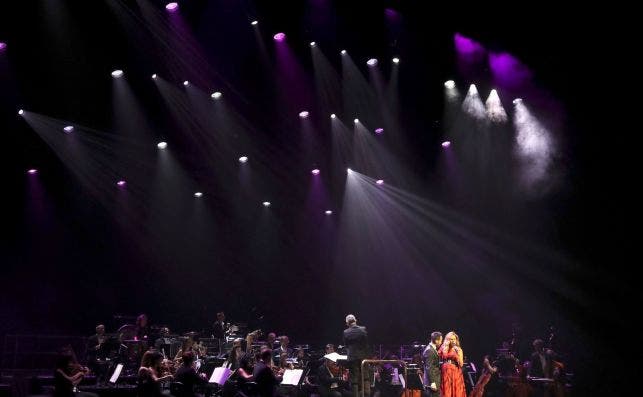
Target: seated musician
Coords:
[[150, 375], [96, 349], [541, 365], [68, 374], [282, 350], [186, 346], [186, 374], [331, 379], [263, 375], [163, 342], [142, 329]]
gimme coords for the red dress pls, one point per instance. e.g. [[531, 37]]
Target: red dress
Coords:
[[452, 382]]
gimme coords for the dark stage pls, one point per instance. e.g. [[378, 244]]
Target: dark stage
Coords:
[[290, 163]]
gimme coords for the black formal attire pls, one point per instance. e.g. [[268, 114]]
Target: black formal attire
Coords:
[[432, 373], [189, 378], [329, 385], [541, 365], [356, 342], [218, 330], [266, 380]]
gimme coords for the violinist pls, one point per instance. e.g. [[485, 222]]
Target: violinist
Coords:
[[263, 375], [150, 375], [187, 375], [68, 374], [331, 379]]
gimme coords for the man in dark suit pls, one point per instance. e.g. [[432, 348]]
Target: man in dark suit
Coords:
[[356, 341], [540, 364], [432, 375], [263, 375]]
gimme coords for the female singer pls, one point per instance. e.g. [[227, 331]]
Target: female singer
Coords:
[[149, 375], [485, 376], [452, 384]]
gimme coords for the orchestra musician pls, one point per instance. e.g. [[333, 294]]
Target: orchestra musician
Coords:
[[219, 328], [150, 375], [332, 380], [96, 349], [487, 371], [142, 328], [263, 375], [356, 340], [282, 350], [186, 374], [541, 365], [163, 342], [68, 374]]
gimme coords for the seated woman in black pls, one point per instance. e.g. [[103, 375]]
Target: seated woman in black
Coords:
[[68, 374], [186, 374], [149, 375]]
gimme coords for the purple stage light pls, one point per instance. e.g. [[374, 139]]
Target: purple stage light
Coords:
[[254, 23], [379, 131], [117, 73], [303, 114], [508, 71], [154, 76], [32, 171], [161, 145], [315, 171], [396, 60], [121, 183], [186, 83], [279, 37], [216, 95], [21, 112], [198, 194], [371, 62], [446, 144], [312, 44], [69, 129], [517, 101], [466, 46], [348, 170], [356, 121], [243, 159], [266, 204], [2, 45], [172, 7], [380, 181], [332, 116], [343, 52], [450, 84], [329, 212]]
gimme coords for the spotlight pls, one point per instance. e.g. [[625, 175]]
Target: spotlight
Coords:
[[379, 131], [279, 36], [312, 44], [517, 101], [68, 129], [161, 145], [356, 121], [186, 83], [32, 171], [216, 95], [329, 212], [343, 52], [121, 183], [371, 62], [243, 159], [473, 90], [254, 23], [396, 60], [446, 143], [154, 76], [303, 114], [315, 171], [348, 170], [266, 203], [2, 45], [450, 84], [173, 6], [380, 181], [117, 73], [198, 194], [21, 112], [332, 116]]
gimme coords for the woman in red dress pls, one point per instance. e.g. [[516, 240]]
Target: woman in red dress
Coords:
[[452, 360]]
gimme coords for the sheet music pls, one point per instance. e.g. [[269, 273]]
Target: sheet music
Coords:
[[334, 356], [402, 381], [292, 377], [220, 375], [116, 374]]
